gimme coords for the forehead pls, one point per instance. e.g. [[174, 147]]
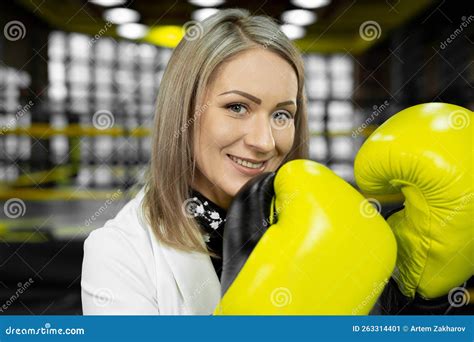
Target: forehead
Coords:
[[256, 71]]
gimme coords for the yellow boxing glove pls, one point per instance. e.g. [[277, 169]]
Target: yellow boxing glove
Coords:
[[426, 152], [325, 254]]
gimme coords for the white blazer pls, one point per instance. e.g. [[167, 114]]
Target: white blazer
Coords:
[[127, 271]]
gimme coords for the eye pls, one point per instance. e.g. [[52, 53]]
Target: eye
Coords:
[[282, 118], [237, 108]]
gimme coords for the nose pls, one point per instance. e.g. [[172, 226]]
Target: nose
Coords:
[[260, 135]]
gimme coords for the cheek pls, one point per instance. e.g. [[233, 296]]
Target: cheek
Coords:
[[216, 132], [284, 140]]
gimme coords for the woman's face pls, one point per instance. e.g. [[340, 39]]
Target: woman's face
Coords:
[[245, 124]]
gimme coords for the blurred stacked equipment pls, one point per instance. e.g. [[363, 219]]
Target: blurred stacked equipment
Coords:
[[75, 118], [329, 84], [104, 91]]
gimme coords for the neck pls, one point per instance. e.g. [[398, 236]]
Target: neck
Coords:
[[212, 192]]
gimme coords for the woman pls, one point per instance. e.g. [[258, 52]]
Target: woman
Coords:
[[231, 105]]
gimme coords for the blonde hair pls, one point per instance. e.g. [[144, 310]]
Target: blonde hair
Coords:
[[204, 47]]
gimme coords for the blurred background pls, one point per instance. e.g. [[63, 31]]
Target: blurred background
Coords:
[[78, 81]]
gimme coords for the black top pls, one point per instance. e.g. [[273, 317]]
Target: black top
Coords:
[[211, 218]]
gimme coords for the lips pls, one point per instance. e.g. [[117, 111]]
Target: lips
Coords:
[[250, 163], [246, 166]]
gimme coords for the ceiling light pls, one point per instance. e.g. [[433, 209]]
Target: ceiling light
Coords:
[[203, 13], [108, 3], [121, 15], [299, 17], [132, 31], [293, 32], [206, 3], [310, 3], [167, 36]]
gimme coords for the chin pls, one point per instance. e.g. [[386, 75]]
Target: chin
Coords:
[[235, 187]]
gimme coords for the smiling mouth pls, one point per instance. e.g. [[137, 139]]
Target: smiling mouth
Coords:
[[247, 163]]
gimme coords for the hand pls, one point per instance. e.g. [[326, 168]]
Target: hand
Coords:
[[321, 253], [426, 152]]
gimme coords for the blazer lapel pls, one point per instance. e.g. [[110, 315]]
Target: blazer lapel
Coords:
[[196, 279], [194, 274]]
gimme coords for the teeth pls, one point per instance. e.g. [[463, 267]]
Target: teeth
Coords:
[[246, 163]]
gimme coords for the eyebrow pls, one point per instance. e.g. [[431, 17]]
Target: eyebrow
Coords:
[[256, 99]]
